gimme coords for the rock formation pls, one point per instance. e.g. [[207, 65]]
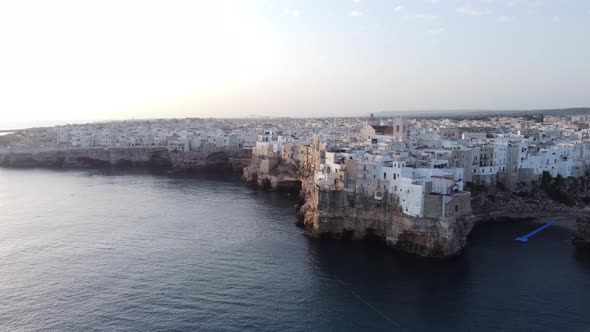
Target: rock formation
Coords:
[[344, 214], [284, 177], [347, 215], [582, 238], [132, 157]]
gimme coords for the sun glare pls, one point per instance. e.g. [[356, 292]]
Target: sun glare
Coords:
[[107, 59]]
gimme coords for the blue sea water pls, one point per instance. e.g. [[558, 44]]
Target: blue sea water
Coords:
[[95, 251]]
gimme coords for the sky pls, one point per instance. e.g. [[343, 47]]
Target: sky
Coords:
[[65, 60]]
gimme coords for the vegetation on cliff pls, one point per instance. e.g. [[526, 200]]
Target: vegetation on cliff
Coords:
[[129, 157], [547, 194]]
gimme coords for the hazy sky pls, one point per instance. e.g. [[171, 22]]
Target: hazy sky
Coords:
[[104, 59]]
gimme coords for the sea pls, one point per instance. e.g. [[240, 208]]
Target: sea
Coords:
[[133, 251]]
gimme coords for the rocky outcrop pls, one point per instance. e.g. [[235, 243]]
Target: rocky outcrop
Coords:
[[582, 238], [211, 160], [429, 237], [86, 158], [281, 178], [501, 206], [494, 204], [326, 214], [347, 215], [131, 157], [250, 174], [535, 202]]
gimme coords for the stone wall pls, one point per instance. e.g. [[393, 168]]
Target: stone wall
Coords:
[[511, 180], [432, 206]]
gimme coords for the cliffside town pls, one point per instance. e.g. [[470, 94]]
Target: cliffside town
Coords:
[[419, 185]]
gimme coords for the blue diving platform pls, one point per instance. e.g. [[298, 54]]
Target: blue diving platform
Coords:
[[525, 238]]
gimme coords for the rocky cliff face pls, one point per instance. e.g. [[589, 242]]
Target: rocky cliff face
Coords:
[[509, 206], [341, 214], [582, 239], [429, 237], [326, 214], [281, 178], [158, 158], [565, 197], [568, 198]]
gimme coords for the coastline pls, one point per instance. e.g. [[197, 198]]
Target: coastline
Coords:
[[158, 158], [437, 241], [561, 221], [565, 222]]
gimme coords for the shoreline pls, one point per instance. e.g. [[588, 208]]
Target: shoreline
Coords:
[[561, 221], [564, 222], [225, 173]]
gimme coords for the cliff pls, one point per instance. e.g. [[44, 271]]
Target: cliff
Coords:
[[138, 157], [582, 238], [538, 199], [283, 177], [344, 214], [347, 215], [503, 205]]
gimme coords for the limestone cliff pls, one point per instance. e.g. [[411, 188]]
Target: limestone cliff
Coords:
[[538, 199], [430, 237], [341, 214], [139, 157], [283, 177], [555, 197], [582, 239], [345, 214], [510, 206]]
